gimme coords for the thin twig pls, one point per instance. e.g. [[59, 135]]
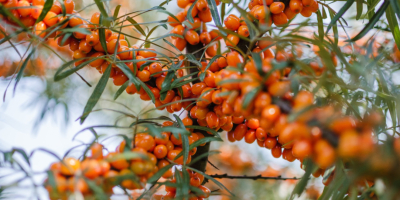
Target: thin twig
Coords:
[[254, 177]]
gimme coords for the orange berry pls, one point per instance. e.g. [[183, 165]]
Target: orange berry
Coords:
[[259, 12], [302, 149], [179, 43], [97, 62], [232, 40], [202, 5], [212, 120], [234, 58], [183, 3], [79, 185], [232, 22], [160, 151], [280, 19], [70, 166], [253, 123], [296, 6], [205, 16], [179, 30], [276, 151], [119, 79], [148, 53], [194, 10], [270, 142], [91, 168], [240, 132], [40, 29], [192, 37], [84, 47], [205, 38], [289, 13], [271, 112], [69, 6], [287, 155], [277, 7], [211, 51], [243, 31], [24, 12], [250, 136]]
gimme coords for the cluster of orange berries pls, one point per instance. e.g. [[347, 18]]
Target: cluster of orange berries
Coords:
[[196, 180], [72, 175], [114, 169], [28, 11], [280, 12]]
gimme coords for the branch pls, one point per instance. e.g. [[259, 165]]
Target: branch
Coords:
[[253, 177]]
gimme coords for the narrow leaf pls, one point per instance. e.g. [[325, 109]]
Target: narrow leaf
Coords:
[[46, 8], [340, 14]]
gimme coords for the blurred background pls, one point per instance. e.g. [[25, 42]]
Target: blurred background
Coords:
[[41, 113]]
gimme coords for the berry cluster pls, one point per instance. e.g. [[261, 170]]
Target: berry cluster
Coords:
[[114, 169]]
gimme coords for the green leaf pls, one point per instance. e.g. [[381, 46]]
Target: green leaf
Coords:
[[320, 26], [340, 14], [46, 8], [301, 185], [102, 35], [371, 22], [395, 4], [223, 12], [121, 90], [116, 11], [59, 75], [22, 69], [258, 63], [137, 26], [214, 12], [102, 10], [189, 17], [94, 98], [249, 97], [98, 191], [394, 26], [359, 9]]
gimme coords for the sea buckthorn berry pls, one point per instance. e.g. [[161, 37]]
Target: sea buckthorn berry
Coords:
[[302, 149], [277, 7], [70, 166], [78, 185], [205, 38], [212, 50], [212, 120], [40, 29], [232, 22], [296, 6], [234, 58], [253, 123], [95, 19], [250, 136], [270, 142], [287, 155], [210, 79], [259, 12], [216, 98], [91, 168], [271, 112], [192, 37], [179, 30], [306, 12], [276, 151], [325, 154], [202, 5], [63, 42], [279, 88], [98, 62], [172, 21], [290, 14], [205, 16], [197, 88], [27, 21], [280, 19], [168, 98], [243, 31], [155, 68], [143, 75], [196, 23], [205, 190], [112, 45], [84, 47], [183, 3], [50, 19], [24, 12], [177, 106], [148, 53], [131, 89], [119, 79], [69, 6], [38, 2], [201, 112], [93, 38], [206, 97], [303, 99], [232, 40], [160, 151], [292, 132], [240, 132], [349, 144], [78, 54], [194, 10], [75, 20], [179, 43]]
